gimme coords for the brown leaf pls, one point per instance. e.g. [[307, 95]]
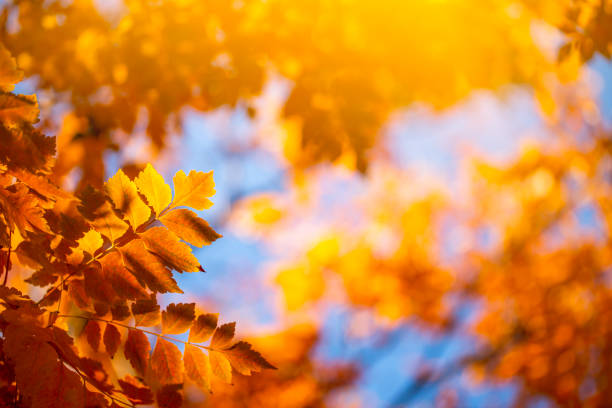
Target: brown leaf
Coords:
[[170, 396], [99, 212], [177, 318], [203, 327], [17, 109], [166, 363], [112, 339], [135, 391], [93, 334], [137, 349]]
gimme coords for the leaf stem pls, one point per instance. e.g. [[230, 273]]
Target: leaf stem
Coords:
[[139, 329]]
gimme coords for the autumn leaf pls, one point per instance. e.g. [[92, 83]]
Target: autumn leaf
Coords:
[[152, 185], [177, 318], [93, 334], [244, 359], [220, 366], [91, 242], [193, 190], [136, 350], [203, 327], [166, 363], [189, 227], [112, 339], [223, 335], [147, 268], [173, 253], [135, 391], [169, 396], [146, 312], [124, 282], [99, 212], [197, 367], [9, 74], [17, 109], [122, 191]]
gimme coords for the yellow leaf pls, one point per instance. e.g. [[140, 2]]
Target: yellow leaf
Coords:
[[189, 227], [220, 366], [193, 190], [124, 195], [197, 366], [90, 242], [9, 74], [172, 252], [152, 185], [15, 109]]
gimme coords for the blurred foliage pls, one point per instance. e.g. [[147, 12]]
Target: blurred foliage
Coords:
[[539, 291]]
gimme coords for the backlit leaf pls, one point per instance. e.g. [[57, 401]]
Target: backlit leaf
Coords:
[[189, 227], [148, 268], [177, 318], [152, 185], [197, 366], [244, 359], [124, 196], [223, 336], [146, 312], [166, 363], [93, 334], [124, 283], [220, 366], [135, 391], [173, 252], [137, 349], [91, 242], [193, 190], [203, 327]]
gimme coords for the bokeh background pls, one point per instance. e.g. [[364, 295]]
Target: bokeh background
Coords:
[[415, 197]]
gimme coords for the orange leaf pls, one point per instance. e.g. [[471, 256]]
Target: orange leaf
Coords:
[[244, 359], [203, 327], [223, 336], [16, 109], [220, 366], [148, 268], [125, 284], [9, 74], [137, 349], [112, 339], [166, 363], [177, 318], [193, 190], [99, 212], [152, 185], [173, 252], [146, 312], [197, 366], [91, 242], [124, 195], [189, 227]]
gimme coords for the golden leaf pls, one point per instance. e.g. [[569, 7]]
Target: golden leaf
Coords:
[[177, 318], [166, 363], [189, 227], [124, 195], [193, 190], [197, 366], [203, 327], [152, 185], [173, 252]]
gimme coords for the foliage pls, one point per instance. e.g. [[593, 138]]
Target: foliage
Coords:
[[103, 255]]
